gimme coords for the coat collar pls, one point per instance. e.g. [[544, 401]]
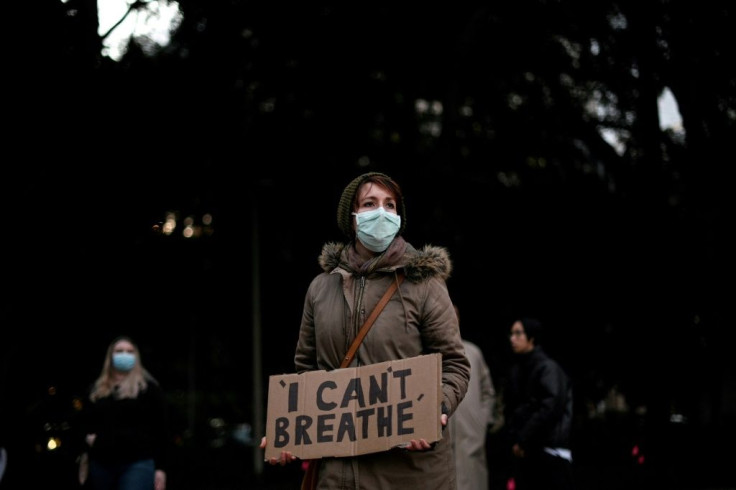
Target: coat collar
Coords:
[[419, 265]]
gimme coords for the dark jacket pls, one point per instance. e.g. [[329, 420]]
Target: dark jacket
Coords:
[[128, 429], [538, 402], [419, 319]]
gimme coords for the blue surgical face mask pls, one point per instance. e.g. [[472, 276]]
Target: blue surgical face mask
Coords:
[[123, 361], [377, 228]]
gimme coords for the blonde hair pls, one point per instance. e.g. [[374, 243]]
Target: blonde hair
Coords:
[[135, 381]]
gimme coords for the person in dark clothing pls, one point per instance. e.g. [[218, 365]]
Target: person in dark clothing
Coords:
[[124, 425], [538, 413]]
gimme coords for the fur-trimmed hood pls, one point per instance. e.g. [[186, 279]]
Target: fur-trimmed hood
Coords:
[[419, 265]]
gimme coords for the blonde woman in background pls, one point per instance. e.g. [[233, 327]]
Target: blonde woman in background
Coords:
[[124, 425]]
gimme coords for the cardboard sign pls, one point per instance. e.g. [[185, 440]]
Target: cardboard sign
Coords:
[[354, 411]]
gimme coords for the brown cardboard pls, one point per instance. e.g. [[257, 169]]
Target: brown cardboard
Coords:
[[335, 413]]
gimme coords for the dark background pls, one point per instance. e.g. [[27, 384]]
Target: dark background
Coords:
[[259, 115]]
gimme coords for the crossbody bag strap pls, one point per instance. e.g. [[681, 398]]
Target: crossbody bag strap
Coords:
[[372, 318]]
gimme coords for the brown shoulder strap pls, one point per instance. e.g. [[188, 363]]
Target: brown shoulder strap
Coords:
[[372, 318]]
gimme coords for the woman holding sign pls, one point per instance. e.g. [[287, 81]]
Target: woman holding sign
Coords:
[[418, 319]]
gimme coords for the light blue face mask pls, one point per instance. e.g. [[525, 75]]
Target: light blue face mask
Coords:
[[123, 361], [377, 228]]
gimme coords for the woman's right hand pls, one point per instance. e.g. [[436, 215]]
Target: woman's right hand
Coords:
[[90, 439], [286, 456]]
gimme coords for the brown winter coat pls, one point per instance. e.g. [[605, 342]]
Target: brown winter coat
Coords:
[[419, 319]]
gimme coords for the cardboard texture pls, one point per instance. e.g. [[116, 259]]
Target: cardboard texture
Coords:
[[354, 411]]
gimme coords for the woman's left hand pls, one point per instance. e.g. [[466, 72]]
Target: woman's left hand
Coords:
[[286, 456], [159, 480], [422, 444]]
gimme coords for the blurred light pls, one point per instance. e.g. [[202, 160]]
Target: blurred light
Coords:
[[53, 443], [678, 418], [242, 433], [188, 231], [421, 106], [637, 454], [170, 224], [192, 226]]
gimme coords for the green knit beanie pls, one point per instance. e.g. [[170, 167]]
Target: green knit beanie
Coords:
[[345, 208]]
